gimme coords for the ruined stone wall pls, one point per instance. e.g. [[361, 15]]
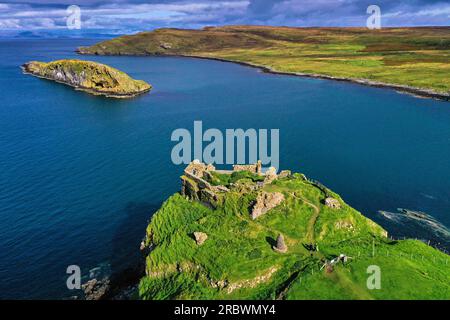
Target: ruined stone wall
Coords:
[[198, 169], [254, 168], [196, 187]]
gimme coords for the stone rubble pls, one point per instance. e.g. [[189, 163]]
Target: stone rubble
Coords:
[[266, 201], [332, 203], [200, 237]]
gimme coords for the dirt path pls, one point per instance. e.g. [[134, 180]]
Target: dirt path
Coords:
[[312, 221]]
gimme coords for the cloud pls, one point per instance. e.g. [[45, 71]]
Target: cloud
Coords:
[[139, 15], [118, 14]]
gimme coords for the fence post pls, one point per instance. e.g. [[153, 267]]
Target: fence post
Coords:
[[373, 248]]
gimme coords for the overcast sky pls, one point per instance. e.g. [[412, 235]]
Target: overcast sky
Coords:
[[129, 16]]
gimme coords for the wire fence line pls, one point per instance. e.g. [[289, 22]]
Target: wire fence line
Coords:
[[404, 255]]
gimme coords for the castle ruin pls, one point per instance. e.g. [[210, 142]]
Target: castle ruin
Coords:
[[196, 185]]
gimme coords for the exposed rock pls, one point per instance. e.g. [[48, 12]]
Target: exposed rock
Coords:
[[165, 45], [332, 203], [96, 289], [266, 201], [142, 246], [189, 188], [164, 271], [270, 175], [343, 225], [200, 237], [281, 246], [92, 77], [251, 283], [219, 284], [222, 188], [208, 196], [284, 174]]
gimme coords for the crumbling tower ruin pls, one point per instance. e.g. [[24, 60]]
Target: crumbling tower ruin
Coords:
[[281, 246]]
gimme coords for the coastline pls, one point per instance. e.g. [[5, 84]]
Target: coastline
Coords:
[[414, 91]]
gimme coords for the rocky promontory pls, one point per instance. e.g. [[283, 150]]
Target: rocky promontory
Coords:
[[92, 77], [247, 233]]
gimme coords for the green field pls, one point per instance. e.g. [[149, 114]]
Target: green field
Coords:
[[417, 57], [237, 260]]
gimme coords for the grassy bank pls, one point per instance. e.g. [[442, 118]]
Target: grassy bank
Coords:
[[415, 57], [237, 260]]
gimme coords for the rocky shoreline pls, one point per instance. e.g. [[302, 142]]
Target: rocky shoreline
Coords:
[[108, 82], [417, 92], [119, 286]]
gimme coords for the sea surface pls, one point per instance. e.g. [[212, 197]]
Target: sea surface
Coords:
[[81, 175]]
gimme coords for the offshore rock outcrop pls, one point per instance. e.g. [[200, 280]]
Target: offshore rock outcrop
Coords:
[[92, 77]]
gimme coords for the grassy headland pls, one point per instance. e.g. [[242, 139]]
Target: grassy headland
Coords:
[[415, 60], [237, 259], [89, 76]]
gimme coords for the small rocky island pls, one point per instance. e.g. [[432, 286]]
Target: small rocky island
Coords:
[[88, 76], [248, 234]]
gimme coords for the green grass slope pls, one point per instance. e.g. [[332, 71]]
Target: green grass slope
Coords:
[[237, 260], [415, 57]]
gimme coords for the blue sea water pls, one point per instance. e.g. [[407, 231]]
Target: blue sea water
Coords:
[[81, 175]]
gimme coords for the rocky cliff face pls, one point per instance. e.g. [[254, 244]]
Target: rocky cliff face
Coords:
[[89, 76]]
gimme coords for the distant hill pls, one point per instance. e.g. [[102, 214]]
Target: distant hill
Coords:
[[414, 60]]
